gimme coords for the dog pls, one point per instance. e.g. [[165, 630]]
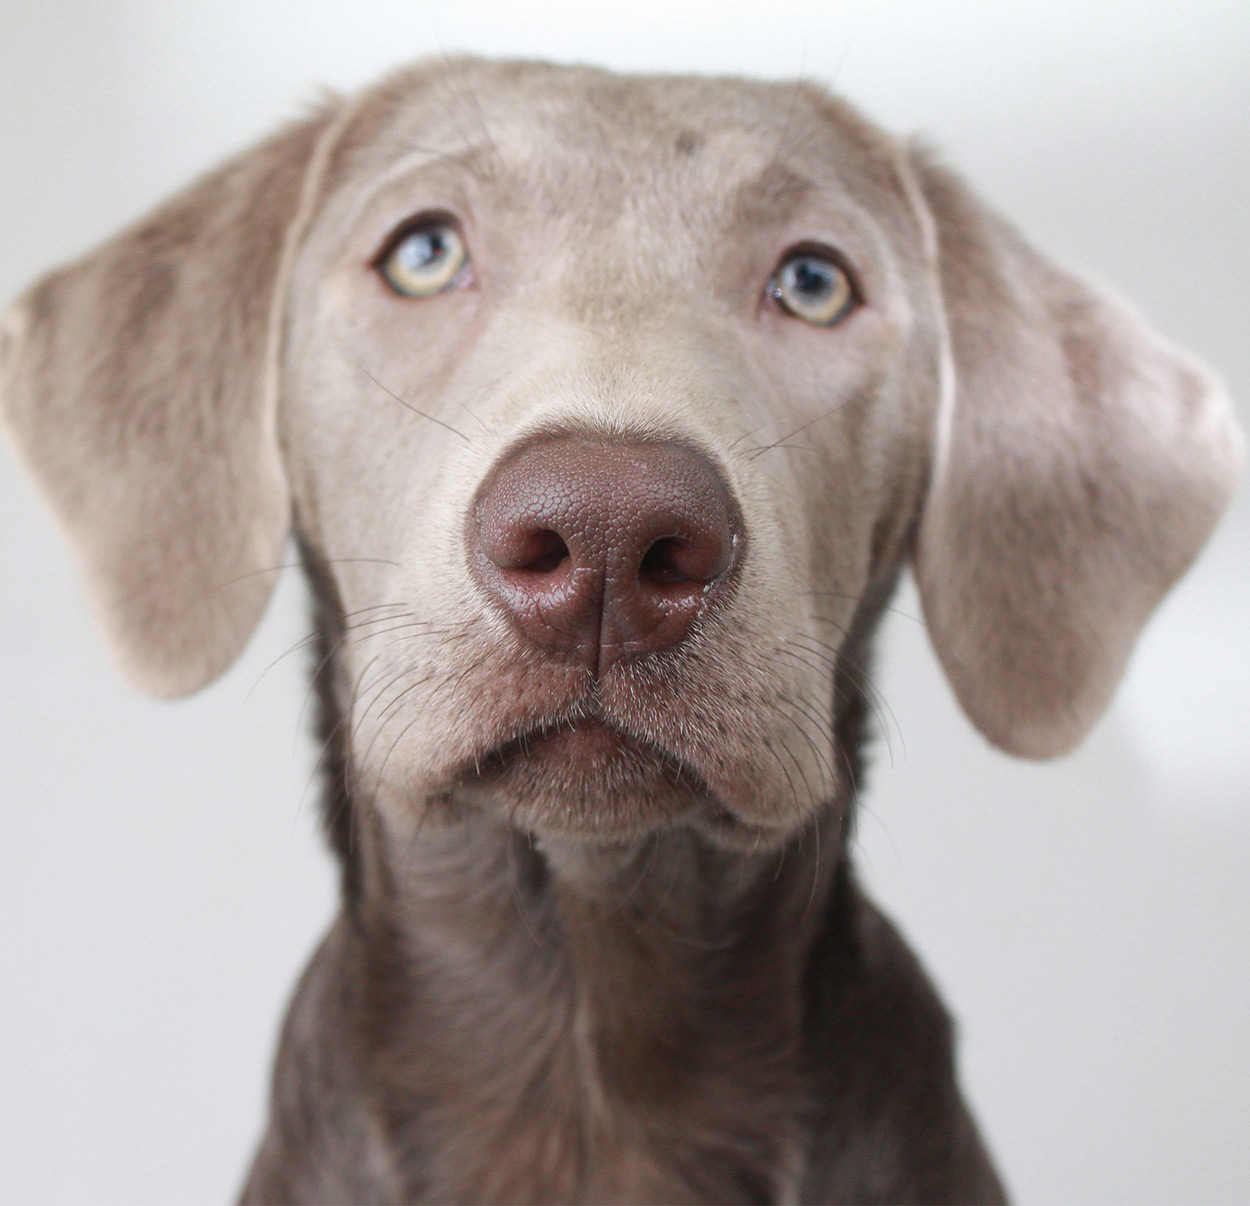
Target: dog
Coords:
[[605, 412]]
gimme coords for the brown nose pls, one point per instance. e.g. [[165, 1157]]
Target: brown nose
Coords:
[[604, 550]]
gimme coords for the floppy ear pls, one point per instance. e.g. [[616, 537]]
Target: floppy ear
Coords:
[[137, 386], [1081, 463]]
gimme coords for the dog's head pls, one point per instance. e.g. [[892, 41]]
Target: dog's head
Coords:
[[608, 408]]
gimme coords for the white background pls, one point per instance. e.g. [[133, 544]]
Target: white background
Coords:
[[160, 877]]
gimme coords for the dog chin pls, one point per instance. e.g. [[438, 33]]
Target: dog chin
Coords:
[[585, 777]]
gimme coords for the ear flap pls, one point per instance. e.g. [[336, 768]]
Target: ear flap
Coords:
[[138, 387], [1081, 464]]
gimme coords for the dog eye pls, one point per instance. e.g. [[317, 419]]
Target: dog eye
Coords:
[[423, 260], [813, 287]]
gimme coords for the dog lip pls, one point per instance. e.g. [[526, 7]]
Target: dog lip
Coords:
[[582, 740], [587, 746]]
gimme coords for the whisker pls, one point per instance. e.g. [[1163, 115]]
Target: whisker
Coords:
[[303, 643], [811, 899], [415, 410], [861, 679], [275, 569], [812, 799], [823, 760], [858, 396], [855, 599], [414, 721], [794, 791]]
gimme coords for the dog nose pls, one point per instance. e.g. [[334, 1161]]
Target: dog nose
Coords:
[[603, 550]]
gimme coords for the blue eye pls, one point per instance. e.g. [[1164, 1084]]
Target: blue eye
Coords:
[[813, 288], [425, 260]]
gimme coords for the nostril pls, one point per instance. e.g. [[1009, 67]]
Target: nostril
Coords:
[[542, 553], [662, 564], [517, 547], [672, 559]]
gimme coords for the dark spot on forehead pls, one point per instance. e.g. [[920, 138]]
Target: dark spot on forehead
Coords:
[[772, 195], [688, 142]]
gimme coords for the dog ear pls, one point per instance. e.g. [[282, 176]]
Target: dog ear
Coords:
[[138, 388], [1080, 465]]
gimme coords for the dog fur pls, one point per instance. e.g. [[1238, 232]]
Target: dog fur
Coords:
[[647, 977]]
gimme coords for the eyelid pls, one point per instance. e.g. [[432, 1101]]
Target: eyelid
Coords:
[[414, 225], [823, 251]]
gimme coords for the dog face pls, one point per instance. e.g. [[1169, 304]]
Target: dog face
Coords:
[[459, 326], [628, 306]]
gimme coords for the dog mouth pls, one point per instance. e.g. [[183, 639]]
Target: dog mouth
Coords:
[[649, 748], [583, 773]]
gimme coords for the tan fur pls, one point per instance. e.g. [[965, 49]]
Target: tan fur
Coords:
[[235, 363], [134, 388], [1085, 461]]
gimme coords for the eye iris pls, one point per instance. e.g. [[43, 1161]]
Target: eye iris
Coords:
[[814, 289], [424, 261]]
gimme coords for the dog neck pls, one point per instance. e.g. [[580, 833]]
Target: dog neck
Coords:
[[595, 1020], [649, 995]]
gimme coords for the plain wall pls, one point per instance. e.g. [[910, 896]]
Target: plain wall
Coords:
[[161, 881]]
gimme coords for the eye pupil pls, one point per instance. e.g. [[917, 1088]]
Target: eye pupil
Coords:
[[812, 278]]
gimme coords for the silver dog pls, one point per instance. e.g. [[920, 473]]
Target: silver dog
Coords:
[[605, 412]]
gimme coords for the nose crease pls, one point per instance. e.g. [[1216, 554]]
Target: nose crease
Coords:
[[602, 551]]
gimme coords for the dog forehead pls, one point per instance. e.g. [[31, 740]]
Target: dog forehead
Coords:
[[577, 137]]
